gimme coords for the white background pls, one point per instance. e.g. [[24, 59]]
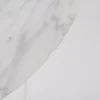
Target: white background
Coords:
[[72, 71]]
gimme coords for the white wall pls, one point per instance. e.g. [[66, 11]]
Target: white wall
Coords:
[[72, 70]]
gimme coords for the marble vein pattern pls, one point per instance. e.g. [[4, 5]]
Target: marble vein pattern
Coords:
[[29, 31]]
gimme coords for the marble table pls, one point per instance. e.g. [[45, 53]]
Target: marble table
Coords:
[[29, 31]]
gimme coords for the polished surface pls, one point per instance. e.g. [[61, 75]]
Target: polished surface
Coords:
[[29, 31]]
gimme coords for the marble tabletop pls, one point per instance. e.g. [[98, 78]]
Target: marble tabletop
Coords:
[[29, 31]]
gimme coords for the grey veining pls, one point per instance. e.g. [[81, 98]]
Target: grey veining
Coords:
[[29, 31]]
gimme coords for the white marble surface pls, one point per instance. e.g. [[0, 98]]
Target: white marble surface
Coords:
[[29, 31]]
